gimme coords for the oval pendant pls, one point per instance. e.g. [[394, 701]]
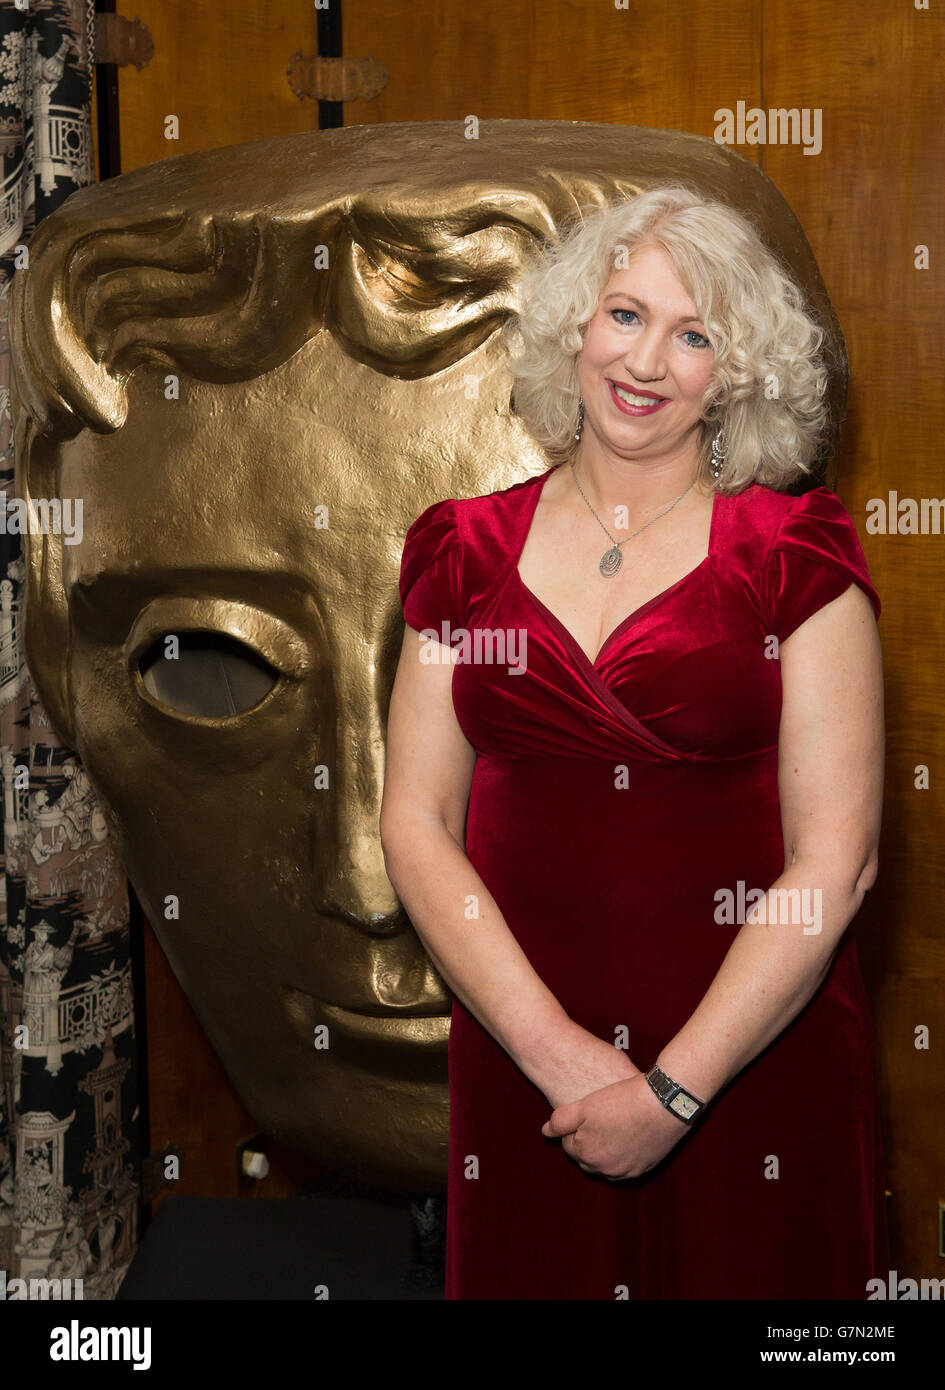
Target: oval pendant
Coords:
[[611, 560]]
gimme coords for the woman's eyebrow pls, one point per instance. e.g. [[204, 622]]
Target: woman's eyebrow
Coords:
[[619, 294]]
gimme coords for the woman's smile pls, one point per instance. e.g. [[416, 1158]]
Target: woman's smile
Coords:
[[635, 402]]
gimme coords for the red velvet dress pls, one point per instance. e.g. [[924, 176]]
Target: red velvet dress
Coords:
[[610, 803]]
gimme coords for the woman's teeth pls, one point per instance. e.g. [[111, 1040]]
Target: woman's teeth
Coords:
[[631, 399]]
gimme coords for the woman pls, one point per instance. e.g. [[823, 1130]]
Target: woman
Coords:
[[661, 1075]]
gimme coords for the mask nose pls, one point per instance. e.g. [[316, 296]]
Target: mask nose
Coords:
[[347, 857]]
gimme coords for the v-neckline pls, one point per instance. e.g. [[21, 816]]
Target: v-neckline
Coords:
[[553, 618]]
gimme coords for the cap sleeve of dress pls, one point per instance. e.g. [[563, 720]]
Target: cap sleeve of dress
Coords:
[[815, 556], [431, 569]]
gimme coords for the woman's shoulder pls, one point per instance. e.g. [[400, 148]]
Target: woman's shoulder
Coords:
[[798, 552], [774, 520], [513, 497], [480, 521], [459, 546]]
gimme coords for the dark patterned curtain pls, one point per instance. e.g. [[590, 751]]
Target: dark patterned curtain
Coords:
[[69, 1147]]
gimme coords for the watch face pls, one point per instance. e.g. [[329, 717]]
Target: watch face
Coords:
[[683, 1105]]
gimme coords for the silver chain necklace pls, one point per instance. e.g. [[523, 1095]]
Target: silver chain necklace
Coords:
[[612, 559]]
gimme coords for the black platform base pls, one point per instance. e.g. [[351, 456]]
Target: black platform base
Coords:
[[296, 1248]]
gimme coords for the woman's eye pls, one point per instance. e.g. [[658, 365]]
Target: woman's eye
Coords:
[[690, 332], [207, 674]]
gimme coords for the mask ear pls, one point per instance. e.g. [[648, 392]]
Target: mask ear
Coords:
[[45, 610]]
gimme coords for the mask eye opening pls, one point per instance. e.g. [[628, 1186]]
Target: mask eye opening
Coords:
[[205, 674]]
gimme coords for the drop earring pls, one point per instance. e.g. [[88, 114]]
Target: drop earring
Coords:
[[577, 432], [719, 455]]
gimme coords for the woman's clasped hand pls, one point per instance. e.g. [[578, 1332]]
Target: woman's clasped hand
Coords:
[[620, 1131]]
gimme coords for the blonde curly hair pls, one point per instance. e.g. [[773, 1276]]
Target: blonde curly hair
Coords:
[[769, 377]]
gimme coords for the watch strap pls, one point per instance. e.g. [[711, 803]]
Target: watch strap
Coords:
[[682, 1103]]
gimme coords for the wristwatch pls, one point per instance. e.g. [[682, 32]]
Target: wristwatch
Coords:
[[676, 1098]]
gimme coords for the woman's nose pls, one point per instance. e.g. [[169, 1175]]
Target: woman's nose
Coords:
[[645, 360]]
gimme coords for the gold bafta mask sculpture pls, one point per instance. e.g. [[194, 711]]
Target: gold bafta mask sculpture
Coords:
[[254, 367]]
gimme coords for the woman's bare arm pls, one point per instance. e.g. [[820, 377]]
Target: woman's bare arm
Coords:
[[830, 779], [426, 791]]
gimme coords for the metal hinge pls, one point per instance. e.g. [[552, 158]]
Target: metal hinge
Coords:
[[122, 41], [336, 79]]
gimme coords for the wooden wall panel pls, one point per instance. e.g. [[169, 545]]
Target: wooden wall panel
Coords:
[[575, 60], [220, 69], [867, 201], [193, 1107]]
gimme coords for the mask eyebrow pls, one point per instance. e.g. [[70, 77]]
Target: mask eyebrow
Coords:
[[105, 601]]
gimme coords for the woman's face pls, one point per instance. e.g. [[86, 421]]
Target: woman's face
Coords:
[[645, 338]]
